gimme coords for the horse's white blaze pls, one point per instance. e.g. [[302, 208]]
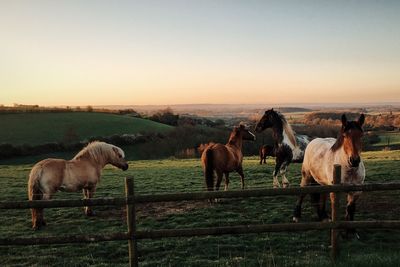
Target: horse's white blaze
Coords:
[[254, 136], [319, 160]]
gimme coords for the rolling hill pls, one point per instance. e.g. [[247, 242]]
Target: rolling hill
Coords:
[[40, 128]]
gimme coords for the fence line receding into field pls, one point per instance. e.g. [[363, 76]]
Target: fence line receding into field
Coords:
[[132, 235]]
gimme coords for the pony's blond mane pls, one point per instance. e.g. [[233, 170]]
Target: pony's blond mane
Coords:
[[289, 132], [98, 151]]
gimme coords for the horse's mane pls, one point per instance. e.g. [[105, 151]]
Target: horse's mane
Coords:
[[99, 151], [288, 129], [338, 143]]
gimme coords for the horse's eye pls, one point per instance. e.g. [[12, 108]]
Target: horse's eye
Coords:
[[120, 156]]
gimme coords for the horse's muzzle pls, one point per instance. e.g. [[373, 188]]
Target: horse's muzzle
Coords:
[[354, 161], [125, 167]]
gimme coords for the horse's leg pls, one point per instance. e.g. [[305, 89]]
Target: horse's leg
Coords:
[[261, 156], [88, 193], [240, 172], [297, 208], [283, 169], [265, 158], [306, 180], [226, 181], [219, 179], [40, 214], [278, 165], [351, 208], [323, 216], [319, 202]]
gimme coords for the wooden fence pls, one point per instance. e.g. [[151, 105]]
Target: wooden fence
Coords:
[[132, 235]]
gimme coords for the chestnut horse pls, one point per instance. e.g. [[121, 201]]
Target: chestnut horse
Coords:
[[265, 151], [321, 155], [81, 173], [224, 159]]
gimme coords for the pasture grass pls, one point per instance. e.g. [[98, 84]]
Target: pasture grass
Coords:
[[375, 248], [388, 139], [41, 128]]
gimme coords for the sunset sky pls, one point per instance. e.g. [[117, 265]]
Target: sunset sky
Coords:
[[176, 52]]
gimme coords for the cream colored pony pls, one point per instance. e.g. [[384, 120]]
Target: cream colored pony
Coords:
[[319, 159], [81, 173]]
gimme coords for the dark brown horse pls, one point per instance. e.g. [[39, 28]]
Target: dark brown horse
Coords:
[[265, 151], [224, 159]]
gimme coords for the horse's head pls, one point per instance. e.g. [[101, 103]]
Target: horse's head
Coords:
[[267, 121], [243, 132], [118, 158], [351, 133]]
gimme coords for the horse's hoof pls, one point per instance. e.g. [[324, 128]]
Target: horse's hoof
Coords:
[[90, 213], [326, 219], [37, 227], [296, 219], [277, 185], [285, 185]]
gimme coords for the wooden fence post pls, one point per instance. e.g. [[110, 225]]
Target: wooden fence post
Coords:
[[337, 175], [131, 221]]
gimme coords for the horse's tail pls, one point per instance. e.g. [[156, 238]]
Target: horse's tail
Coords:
[[209, 169], [34, 190]]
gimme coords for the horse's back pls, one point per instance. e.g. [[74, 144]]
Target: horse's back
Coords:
[[224, 158], [50, 172], [317, 160]]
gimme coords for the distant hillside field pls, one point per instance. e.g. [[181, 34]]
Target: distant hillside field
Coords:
[[40, 128], [389, 138]]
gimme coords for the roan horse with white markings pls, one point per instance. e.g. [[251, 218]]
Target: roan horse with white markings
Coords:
[[289, 147], [323, 153], [224, 159], [81, 173]]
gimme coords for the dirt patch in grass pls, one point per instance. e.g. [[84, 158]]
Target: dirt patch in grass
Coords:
[[155, 210], [161, 209]]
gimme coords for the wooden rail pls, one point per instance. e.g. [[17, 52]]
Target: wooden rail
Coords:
[[61, 203], [130, 200]]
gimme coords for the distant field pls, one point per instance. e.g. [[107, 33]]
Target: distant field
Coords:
[[40, 128], [375, 248], [391, 138]]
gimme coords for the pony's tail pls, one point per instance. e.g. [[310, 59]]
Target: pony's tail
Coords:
[[34, 190], [35, 193], [209, 169]]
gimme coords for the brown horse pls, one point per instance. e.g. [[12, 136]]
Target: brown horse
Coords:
[[224, 159], [81, 173], [265, 151]]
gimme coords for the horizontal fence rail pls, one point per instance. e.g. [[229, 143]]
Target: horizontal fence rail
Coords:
[[131, 199], [238, 229], [121, 201]]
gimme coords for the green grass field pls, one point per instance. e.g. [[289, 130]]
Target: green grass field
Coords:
[[389, 138], [375, 248], [40, 128]]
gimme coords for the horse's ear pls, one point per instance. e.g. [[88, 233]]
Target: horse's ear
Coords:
[[361, 119], [344, 120]]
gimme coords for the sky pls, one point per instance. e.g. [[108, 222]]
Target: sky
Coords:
[[187, 52]]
